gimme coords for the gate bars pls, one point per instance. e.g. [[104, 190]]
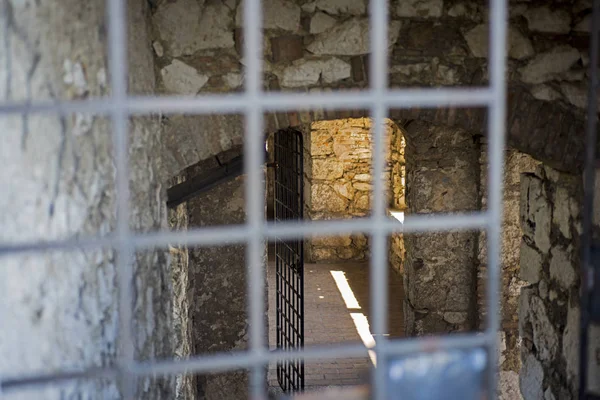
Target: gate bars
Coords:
[[289, 256], [253, 102]]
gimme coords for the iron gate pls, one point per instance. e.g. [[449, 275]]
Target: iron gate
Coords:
[[289, 256]]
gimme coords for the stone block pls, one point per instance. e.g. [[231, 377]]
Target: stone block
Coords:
[[349, 38], [531, 379], [323, 254], [325, 198], [327, 169], [186, 27], [309, 7], [362, 186], [345, 189], [570, 343], [545, 92], [348, 253], [233, 80], [278, 14], [585, 25], [536, 213], [321, 22], [307, 72], [363, 202], [531, 264], [544, 19], [508, 386], [359, 240], [332, 241], [454, 317], [420, 8], [334, 69], [545, 337], [158, 48], [546, 66], [181, 78], [466, 10], [562, 269], [287, 48], [524, 307], [336, 7], [576, 94]]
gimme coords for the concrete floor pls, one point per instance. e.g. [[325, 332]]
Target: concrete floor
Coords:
[[328, 319]]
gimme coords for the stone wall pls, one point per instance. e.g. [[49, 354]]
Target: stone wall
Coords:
[[442, 175], [59, 308], [339, 181], [397, 251], [516, 163], [319, 46], [549, 305], [183, 328], [218, 311]]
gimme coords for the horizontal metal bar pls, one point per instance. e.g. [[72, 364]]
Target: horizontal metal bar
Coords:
[[287, 101], [244, 360], [232, 234], [54, 378]]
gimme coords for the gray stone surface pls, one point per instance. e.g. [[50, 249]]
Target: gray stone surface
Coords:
[[321, 22], [439, 266], [545, 19], [420, 8], [335, 7], [519, 46], [430, 53], [218, 285], [570, 343], [181, 78], [177, 24], [531, 263], [187, 26], [308, 72], [545, 337], [549, 311], [561, 267], [349, 38], [532, 376], [545, 66], [59, 308], [278, 14], [575, 94], [536, 212], [545, 92]]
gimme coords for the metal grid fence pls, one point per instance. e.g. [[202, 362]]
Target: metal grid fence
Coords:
[[253, 102]]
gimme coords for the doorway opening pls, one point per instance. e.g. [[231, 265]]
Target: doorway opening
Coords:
[[333, 181]]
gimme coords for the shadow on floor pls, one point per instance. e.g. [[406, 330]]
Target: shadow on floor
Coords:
[[336, 310]]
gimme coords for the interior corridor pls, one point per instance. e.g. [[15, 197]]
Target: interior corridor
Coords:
[[336, 310]]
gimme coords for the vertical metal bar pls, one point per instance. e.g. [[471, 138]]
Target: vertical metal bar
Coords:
[[378, 271], [300, 186], [117, 19], [588, 201], [496, 132], [253, 161]]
